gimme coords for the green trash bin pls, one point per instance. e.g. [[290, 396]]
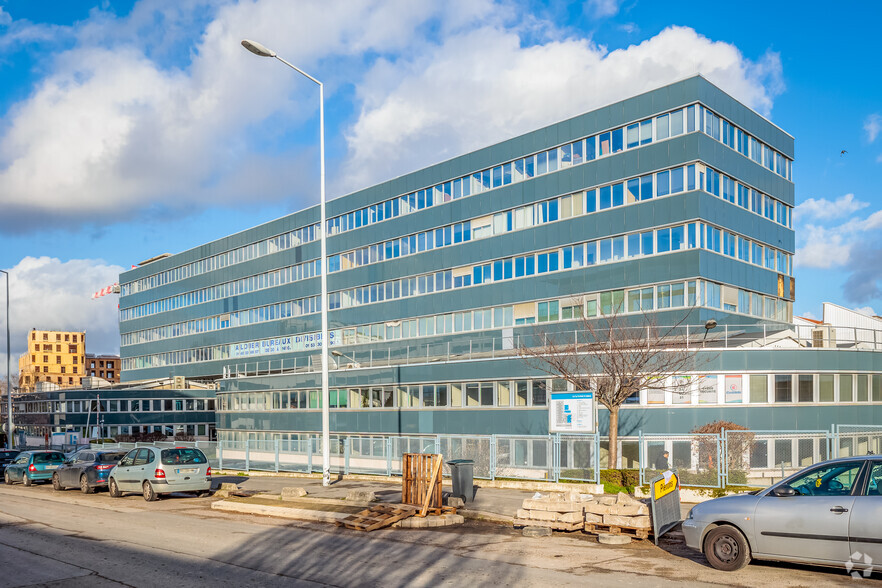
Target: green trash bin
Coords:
[[462, 478]]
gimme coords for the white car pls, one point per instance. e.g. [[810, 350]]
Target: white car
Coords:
[[153, 471]]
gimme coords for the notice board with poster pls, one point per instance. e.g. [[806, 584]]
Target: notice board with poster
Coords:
[[664, 503], [572, 412]]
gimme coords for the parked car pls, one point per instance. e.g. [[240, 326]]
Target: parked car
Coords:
[[827, 514], [7, 456], [154, 471], [87, 469], [33, 466]]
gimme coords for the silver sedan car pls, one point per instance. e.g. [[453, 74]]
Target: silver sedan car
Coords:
[[154, 471], [828, 514]]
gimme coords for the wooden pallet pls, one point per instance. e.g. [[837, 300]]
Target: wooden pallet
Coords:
[[556, 525], [421, 482], [638, 532], [377, 517]]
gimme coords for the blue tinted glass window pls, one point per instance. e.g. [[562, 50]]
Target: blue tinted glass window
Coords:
[[541, 163], [633, 191], [578, 256], [552, 160], [617, 140], [497, 271], [646, 243], [590, 200], [531, 265], [591, 253], [477, 273], [605, 250], [618, 248], [618, 194], [691, 235], [690, 118], [567, 257], [603, 144], [530, 166], [646, 132], [690, 177], [552, 211], [645, 187], [506, 269], [553, 262], [676, 180], [519, 267], [605, 197], [543, 263], [662, 183], [633, 135], [590, 148], [506, 174], [664, 240], [677, 234], [497, 177], [633, 245]]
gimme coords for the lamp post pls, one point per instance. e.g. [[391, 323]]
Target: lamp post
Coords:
[[262, 51], [8, 384]]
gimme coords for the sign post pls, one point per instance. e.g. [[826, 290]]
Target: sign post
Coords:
[[664, 503]]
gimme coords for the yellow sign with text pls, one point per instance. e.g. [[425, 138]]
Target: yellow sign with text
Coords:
[[663, 488]]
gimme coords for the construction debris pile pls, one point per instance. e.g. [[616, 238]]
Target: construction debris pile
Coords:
[[572, 511]]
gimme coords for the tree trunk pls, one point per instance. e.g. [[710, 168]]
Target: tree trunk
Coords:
[[613, 437]]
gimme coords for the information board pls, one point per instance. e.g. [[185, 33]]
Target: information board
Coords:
[[572, 412], [665, 503]]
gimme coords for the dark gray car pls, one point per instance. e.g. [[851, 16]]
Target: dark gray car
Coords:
[[827, 514]]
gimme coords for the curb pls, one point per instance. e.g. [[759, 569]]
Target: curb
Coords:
[[285, 512]]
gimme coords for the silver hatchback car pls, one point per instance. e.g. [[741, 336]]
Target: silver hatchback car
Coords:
[[827, 514], [154, 470]]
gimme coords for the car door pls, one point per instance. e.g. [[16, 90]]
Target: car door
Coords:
[[123, 472], [17, 467], [813, 524], [865, 524], [84, 459], [138, 468]]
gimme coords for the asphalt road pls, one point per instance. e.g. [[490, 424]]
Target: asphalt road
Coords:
[[49, 538]]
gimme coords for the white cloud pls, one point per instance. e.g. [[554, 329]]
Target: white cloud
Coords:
[[46, 293], [872, 126], [824, 209], [481, 86], [602, 8], [823, 248], [5, 18], [111, 131]]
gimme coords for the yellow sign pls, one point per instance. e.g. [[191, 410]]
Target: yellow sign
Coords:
[[663, 488]]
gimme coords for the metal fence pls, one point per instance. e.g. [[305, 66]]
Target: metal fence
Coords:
[[730, 458]]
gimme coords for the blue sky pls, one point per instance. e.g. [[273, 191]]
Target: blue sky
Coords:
[[128, 129]]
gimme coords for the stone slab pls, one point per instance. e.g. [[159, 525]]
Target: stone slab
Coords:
[[612, 539], [641, 522], [430, 521], [554, 506], [289, 493], [537, 532]]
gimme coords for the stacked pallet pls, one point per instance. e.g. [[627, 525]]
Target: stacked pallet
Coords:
[[619, 514], [558, 511]]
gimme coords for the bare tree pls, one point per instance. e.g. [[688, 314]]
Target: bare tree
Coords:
[[616, 359]]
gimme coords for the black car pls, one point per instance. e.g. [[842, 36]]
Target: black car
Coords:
[[6, 457], [86, 469]]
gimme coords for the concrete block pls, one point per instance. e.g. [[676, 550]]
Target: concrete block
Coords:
[[607, 500], [593, 518], [621, 521], [290, 493], [229, 486], [611, 539], [625, 500], [361, 496], [455, 502], [523, 513], [571, 517], [537, 531], [596, 508], [543, 515], [629, 510], [553, 506]]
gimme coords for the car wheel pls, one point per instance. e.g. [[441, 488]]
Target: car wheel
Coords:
[[7, 479], [25, 480], [113, 489], [149, 493], [726, 548], [84, 485], [56, 482]]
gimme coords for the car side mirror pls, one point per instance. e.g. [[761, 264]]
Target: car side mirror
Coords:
[[784, 491]]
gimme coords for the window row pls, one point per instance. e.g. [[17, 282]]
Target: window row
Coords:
[[128, 405], [279, 277], [242, 254], [663, 183], [658, 297]]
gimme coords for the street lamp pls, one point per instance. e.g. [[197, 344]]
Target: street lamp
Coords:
[[262, 51], [8, 385]]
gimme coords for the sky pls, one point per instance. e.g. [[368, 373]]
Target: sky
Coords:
[[134, 128]]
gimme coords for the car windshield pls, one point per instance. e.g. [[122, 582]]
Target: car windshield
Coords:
[[182, 455], [8, 454], [48, 457], [110, 457]]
